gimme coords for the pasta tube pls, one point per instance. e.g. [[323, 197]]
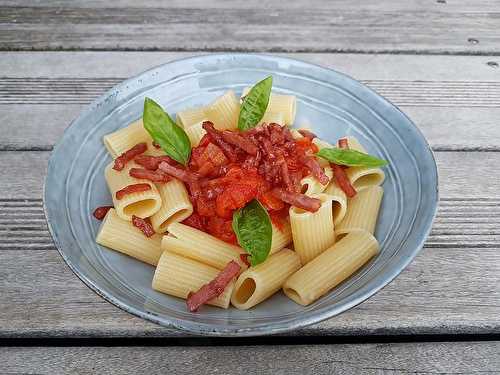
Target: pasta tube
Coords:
[[175, 205], [141, 204], [124, 139], [331, 267], [362, 211], [200, 246], [362, 177], [311, 186], [258, 283], [195, 133], [178, 276], [224, 111], [281, 237], [191, 116], [273, 117], [122, 236], [285, 104], [312, 232], [339, 202]]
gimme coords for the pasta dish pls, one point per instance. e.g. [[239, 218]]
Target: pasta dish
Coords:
[[230, 203]]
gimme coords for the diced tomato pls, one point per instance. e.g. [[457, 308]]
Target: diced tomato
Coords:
[[278, 218], [271, 202], [205, 207], [233, 197], [222, 229], [196, 221], [305, 146]]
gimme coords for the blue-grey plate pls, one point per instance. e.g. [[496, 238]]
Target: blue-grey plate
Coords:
[[331, 103]]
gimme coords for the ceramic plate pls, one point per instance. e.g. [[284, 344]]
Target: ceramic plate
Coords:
[[330, 103]]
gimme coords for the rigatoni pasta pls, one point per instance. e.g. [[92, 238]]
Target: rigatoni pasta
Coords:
[[141, 204], [362, 177], [195, 133], [260, 282], [339, 202], [224, 111], [311, 186], [281, 237], [191, 116], [124, 139], [312, 231], [331, 267], [195, 244], [120, 235], [175, 205], [284, 104], [362, 212], [179, 276], [227, 201]]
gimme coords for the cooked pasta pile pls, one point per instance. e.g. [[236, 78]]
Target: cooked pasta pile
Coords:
[[231, 204]]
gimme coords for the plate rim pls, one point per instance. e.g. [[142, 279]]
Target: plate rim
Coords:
[[183, 326]]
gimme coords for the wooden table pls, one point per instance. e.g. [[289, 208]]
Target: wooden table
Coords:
[[437, 60]]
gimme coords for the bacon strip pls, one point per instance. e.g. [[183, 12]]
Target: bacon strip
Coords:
[[144, 225], [285, 175], [216, 138], [152, 162], [313, 165], [341, 176], [181, 174], [297, 199], [154, 176], [240, 141], [307, 134], [100, 212], [214, 288], [342, 180], [134, 188], [124, 158]]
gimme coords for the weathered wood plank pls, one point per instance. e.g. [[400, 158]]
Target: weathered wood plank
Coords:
[[90, 64], [386, 5], [460, 223], [402, 92], [273, 28], [462, 174], [405, 358], [443, 291], [420, 84], [40, 126]]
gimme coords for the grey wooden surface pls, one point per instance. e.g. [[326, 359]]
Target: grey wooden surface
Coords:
[[437, 60], [369, 359], [388, 26]]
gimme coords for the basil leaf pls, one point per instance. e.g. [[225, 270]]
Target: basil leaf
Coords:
[[351, 158], [164, 131], [253, 229], [255, 104]]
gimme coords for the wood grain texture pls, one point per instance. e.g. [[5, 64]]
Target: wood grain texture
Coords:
[[460, 223], [420, 84], [401, 92], [376, 359], [443, 291], [452, 287], [440, 28]]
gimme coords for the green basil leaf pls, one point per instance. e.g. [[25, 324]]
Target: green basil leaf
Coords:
[[255, 104], [253, 229], [351, 158], [164, 131]]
